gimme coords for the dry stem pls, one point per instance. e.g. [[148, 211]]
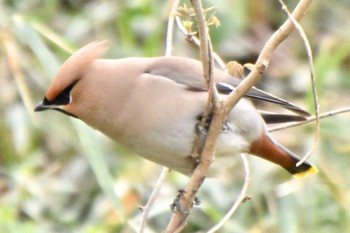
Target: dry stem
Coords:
[[165, 171], [179, 218], [242, 197], [196, 41], [312, 74], [266, 54], [146, 209], [220, 110], [310, 119]]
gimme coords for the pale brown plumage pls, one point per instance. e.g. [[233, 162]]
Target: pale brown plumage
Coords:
[[151, 106]]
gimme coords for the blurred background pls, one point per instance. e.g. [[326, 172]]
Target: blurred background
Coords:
[[58, 175]]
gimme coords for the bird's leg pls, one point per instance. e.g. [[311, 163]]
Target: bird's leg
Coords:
[[176, 203], [177, 206], [196, 201]]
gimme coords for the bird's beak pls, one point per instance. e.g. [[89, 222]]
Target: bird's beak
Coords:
[[42, 107], [47, 105]]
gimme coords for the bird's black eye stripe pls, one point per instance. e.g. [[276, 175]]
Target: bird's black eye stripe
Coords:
[[63, 98], [46, 102], [65, 112]]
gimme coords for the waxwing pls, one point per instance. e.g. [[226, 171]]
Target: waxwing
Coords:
[[152, 106]]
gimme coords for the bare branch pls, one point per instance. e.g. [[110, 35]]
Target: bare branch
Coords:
[[195, 40], [165, 171], [265, 55], [220, 109], [170, 28], [242, 196], [179, 218], [312, 74], [311, 119], [146, 209]]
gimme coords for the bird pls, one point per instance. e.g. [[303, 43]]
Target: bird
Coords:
[[152, 106]]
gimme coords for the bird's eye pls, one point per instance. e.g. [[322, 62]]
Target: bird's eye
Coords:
[[64, 97]]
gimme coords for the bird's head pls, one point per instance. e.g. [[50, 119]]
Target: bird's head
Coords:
[[59, 95]]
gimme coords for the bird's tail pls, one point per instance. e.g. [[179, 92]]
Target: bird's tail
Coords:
[[300, 171], [267, 149]]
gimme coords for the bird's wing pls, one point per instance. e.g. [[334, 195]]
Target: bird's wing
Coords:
[[256, 93], [276, 118], [188, 72]]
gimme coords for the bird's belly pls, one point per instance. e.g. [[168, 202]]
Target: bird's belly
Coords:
[[169, 145], [172, 147]]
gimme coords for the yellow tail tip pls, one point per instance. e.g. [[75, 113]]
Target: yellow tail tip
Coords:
[[311, 170]]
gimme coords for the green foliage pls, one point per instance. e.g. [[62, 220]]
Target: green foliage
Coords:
[[57, 175]]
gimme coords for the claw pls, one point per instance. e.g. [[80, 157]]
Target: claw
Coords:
[[176, 206], [196, 201]]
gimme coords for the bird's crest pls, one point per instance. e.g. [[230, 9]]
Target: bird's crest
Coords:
[[75, 66]]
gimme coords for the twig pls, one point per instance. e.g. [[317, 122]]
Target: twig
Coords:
[[265, 55], [261, 64], [220, 110], [165, 171], [179, 218], [196, 41], [242, 196], [170, 28], [311, 119], [312, 74], [146, 209]]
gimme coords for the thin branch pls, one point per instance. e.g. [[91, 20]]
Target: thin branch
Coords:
[[146, 209], [179, 218], [261, 65], [310, 119], [242, 196], [170, 28], [265, 55], [220, 110], [208, 66], [195, 41], [165, 171], [312, 74]]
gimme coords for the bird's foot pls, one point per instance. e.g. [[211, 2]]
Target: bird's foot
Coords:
[[176, 206]]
